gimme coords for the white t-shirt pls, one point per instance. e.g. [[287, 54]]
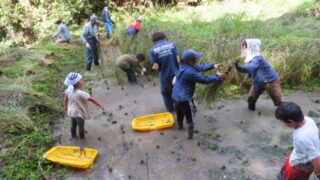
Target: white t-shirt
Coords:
[[306, 143], [78, 103]]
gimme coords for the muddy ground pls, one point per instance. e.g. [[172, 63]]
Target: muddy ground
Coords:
[[230, 141]]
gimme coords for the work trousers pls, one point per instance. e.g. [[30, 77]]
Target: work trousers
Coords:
[[274, 90], [166, 91], [92, 53], [131, 75], [108, 26], [184, 109], [77, 121]]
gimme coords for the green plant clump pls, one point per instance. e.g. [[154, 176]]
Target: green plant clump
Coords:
[[289, 40], [28, 107]]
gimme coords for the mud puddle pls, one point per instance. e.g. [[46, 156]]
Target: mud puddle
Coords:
[[230, 141]]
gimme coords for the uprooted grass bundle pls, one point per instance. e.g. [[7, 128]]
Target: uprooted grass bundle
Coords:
[[14, 119], [209, 93]]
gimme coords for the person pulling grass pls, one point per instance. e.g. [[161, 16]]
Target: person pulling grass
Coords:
[[305, 157], [75, 103], [134, 28], [129, 63], [62, 34], [263, 75], [185, 83]]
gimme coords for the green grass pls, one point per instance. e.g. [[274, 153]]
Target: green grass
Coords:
[[288, 31], [31, 100]]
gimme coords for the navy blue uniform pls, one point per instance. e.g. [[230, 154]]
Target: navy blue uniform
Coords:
[[165, 54]]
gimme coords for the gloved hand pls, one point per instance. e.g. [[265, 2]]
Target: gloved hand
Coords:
[[143, 71], [88, 45]]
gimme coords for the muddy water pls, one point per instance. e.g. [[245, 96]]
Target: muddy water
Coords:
[[230, 141]]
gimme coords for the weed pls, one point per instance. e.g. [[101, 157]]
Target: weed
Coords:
[[28, 104], [289, 48]]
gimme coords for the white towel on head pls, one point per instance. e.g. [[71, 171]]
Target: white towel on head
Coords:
[[253, 49], [72, 79]]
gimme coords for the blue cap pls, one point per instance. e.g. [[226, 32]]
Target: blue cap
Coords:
[[190, 54], [94, 18]]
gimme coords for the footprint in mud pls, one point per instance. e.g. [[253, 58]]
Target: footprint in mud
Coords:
[[120, 107], [244, 126], [260, 147], [208, 141], [261, 138], [211, 119], [219, 173], [239, 157]]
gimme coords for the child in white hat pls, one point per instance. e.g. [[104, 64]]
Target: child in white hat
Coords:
[[75, 103]]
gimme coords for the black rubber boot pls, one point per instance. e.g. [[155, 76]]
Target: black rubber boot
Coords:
[[88, 67], [252, 106], [190, 131]]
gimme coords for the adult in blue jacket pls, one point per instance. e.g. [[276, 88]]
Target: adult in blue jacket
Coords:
[[185, 83], [107, 21], [164, 58], [263, 75]]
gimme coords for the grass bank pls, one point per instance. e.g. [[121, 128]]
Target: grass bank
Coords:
[[30, 102], [288, 30]]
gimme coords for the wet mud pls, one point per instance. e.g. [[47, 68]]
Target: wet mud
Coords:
[[230, 142]]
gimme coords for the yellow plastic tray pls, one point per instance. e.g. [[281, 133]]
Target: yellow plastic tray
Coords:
[[153, 122], [72, 156]]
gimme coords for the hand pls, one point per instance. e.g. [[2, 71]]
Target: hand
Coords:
[[143, 71], [88, 45], [217, 65], [236, 63], [103, 110], [222, 75], [155, 66]]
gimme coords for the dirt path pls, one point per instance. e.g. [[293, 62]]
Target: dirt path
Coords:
[[230, 141]]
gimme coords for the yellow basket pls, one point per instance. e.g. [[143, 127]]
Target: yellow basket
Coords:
[[72, 156], [153, 122]]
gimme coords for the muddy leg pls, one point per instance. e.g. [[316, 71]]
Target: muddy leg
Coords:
[[274, 91], [80, 123], [73, 127], [190, 131], [253, 97], [187, 110], [180, 115]]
